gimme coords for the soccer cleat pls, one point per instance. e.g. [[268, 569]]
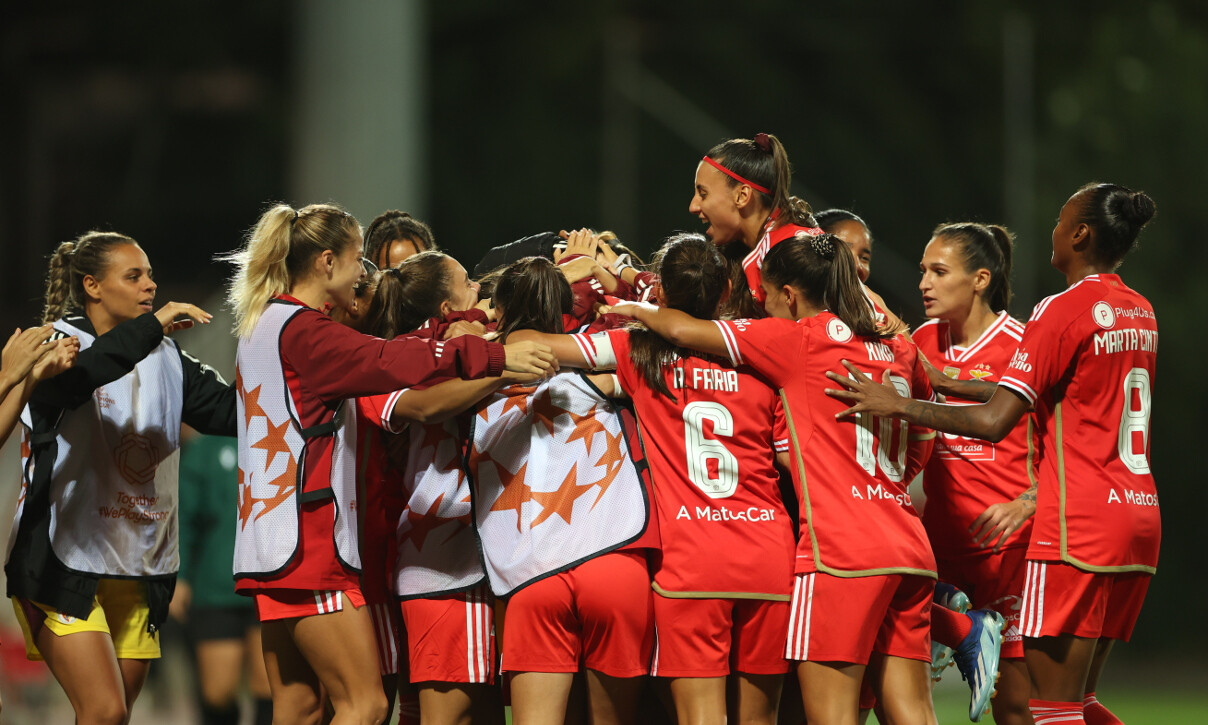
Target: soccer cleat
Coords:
[[948, 597], [977, 659]]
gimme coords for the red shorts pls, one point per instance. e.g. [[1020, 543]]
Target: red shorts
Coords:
[[387, 635], [1060, 598], [451, 638], [835, 619], [714, 637], [993, 581], [274, 604], [598, 615]]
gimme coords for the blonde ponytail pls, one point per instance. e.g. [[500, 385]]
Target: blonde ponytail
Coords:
[[279, 251], [260, 273]]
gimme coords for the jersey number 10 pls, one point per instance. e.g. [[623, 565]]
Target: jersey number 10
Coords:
[[874, 435]]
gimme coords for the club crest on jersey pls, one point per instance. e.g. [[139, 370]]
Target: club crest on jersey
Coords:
[[952, 372], [838, 331], [1104, 315], [981, 371]]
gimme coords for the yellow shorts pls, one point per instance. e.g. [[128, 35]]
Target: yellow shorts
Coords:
[[119, 609]]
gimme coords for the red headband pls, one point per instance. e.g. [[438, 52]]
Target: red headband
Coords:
[[735, 176]]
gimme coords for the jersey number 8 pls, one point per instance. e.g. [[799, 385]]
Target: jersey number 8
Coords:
[[1134, 421]]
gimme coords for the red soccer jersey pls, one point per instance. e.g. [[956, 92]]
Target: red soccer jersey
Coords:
[[773, 234], [380, 495], [856, 515], [965, 476], [1087, 363], [724, 527]]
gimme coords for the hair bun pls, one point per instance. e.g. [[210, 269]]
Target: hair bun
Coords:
[[1139, 208], [822, 244]]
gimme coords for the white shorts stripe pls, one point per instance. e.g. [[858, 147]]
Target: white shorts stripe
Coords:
[[1033, 605], [800, 618], [479, 620], [328, 602], [471, 611], [386, 637]]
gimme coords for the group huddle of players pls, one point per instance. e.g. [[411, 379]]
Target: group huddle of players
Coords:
[[696, 470]]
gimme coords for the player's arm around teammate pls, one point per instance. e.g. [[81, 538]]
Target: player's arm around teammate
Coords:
[[296, 547], [101, 443], [861, 539], [1096, 336]]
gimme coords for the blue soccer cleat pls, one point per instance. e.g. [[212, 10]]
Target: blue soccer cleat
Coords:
[[948, 597], [977, 659]]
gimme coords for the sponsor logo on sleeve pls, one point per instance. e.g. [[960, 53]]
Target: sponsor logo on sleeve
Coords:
[[1019, 361]]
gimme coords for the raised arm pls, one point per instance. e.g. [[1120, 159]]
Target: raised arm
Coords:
[[990, 421], [680, 328]]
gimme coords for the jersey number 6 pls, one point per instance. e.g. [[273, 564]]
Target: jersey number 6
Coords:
[[702, 450]]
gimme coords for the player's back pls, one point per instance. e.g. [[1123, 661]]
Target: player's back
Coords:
[[856, 514], [712, 463], [1088, 361]]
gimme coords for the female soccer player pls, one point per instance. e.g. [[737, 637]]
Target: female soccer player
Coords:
[[742, 193], [1086, 362], [296, 543], [980, 495], [416, 526], [709, 433], [94, 553], [596, 614], [865, 572], [395, 235], [858, 237]]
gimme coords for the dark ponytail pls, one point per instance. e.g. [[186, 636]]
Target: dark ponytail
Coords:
[[533, 295], [988, 247], [764, 161], [1116, 216], [693, 276], [70, 264], [822, 270], [408, 295]]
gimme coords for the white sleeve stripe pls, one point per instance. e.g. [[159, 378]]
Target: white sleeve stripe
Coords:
[[388, 411], [731, 343], [605, 355], [585, 347], [1020, 387]]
